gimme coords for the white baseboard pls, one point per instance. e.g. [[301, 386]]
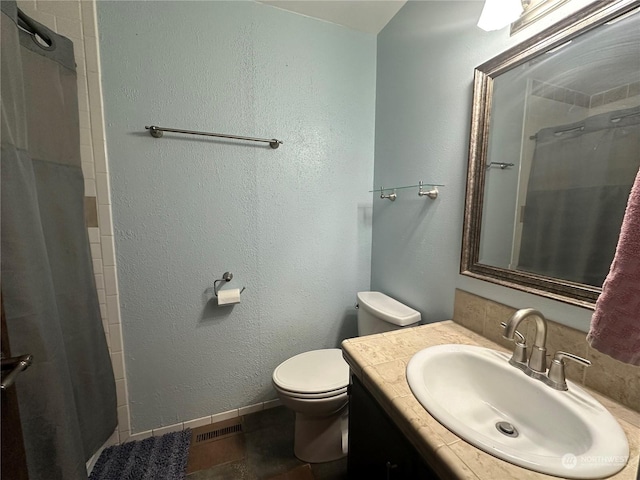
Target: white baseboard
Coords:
[[199, 422]]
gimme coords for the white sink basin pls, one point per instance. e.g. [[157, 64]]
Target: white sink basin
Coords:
[[565, 433]]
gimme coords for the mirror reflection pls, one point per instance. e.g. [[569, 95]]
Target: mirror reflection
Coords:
[[563, 151]]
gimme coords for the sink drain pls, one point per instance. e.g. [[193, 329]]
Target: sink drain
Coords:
[[507, 429]]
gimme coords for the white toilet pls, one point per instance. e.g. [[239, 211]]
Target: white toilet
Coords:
[[314, 384]]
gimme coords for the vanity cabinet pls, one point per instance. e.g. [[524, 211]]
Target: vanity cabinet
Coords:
[[377, 448]]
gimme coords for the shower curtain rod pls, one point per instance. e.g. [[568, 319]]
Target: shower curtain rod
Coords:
[[581, 127], [617, 119], [156, 132], [560, 132]]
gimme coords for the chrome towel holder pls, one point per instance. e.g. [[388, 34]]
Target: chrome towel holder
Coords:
[[157, 132]]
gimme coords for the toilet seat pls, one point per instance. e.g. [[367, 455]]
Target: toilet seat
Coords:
[[312, 396], [313, 375]]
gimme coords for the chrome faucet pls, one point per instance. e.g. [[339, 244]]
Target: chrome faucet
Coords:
[[538, 359], [536, 367]]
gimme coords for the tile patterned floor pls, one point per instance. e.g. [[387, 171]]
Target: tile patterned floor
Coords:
[[265, 451]]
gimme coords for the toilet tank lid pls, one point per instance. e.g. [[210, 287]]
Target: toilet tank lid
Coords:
[[388, 308]]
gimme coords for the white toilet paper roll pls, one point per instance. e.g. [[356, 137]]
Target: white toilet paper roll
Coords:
[[229, 296]]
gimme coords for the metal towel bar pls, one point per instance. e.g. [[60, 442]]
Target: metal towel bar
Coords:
[[156, 132]]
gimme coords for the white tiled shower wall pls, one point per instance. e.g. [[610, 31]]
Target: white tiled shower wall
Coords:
[[76, 20]]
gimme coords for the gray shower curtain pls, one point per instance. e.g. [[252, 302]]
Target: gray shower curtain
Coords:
[[67, 398], [578, 189]]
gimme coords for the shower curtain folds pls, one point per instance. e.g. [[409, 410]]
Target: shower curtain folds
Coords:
[[67, 397], [580, 181]]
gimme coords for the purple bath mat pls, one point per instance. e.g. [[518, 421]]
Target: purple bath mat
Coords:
[[154, 458]]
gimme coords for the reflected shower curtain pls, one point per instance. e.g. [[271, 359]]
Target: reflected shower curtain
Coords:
[[578, 189], [67, 397]]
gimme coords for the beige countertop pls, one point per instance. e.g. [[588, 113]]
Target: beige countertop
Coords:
[[380, 362]]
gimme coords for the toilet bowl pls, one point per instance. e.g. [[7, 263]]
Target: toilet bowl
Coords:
[[314, 384]]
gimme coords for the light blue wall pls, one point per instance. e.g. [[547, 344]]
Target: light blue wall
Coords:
[[426, 58], [293, 224]]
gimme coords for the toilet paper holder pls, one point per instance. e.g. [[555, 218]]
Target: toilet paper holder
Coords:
[[226, 277]]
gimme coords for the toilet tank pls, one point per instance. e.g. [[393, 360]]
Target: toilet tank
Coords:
[[381, 313]]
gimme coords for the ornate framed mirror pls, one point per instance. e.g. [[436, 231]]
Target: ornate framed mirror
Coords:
[[554, 149]]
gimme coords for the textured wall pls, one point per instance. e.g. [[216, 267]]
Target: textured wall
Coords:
[[426, 57], [293, 224]]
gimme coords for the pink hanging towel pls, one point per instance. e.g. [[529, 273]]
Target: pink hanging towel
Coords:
[[615, 325]]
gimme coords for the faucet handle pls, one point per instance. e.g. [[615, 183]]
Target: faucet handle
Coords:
[[556, 375], [520, 354]]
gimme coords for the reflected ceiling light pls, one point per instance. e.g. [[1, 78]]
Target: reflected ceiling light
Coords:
[[497, 14]]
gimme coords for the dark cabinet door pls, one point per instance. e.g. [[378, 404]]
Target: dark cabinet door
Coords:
[[377, 448]]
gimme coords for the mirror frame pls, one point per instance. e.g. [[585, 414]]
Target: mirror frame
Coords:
[[534, 10], [576, 24]]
